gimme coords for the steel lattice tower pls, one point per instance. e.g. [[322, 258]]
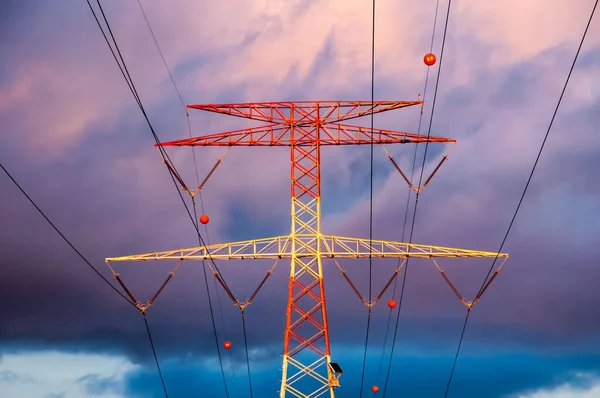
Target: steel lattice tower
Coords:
[[305, 127]]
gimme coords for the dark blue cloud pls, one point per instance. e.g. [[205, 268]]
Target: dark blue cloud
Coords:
[[492, 372]]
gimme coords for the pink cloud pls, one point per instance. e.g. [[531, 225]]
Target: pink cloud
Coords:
[[522, 30], [85, 89]]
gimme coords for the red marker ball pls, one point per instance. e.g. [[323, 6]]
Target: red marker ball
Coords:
[[227, 345], [392, 303], [429, 59], [375, 388], [204, 219]]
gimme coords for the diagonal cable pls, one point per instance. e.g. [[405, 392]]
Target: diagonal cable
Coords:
[[162, 380], [409, 194], [462, 334], [362, 378], [417, 193], [133, 90], [220, 310], [64, 237], [161, 53]]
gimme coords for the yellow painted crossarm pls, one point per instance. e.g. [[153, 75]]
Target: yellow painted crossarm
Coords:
[[271, 248], [279, 247], [344, 247]]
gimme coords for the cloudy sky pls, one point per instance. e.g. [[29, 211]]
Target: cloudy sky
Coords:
[[77, 143]]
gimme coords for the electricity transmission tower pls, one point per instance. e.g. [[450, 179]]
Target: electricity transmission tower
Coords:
[[305, 127]]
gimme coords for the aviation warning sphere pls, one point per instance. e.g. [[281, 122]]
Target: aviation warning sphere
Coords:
[[204, 219], [227, 345], [392, 303], [429, 59], [375, 388]]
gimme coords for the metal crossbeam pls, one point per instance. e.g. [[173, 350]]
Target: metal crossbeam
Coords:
[[304, 111], [331, 134]]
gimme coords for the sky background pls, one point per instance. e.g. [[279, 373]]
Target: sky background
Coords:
[[75, 140]]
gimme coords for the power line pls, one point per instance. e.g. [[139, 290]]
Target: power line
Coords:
[[417, 192], [161, 54], [212, 317], [215, 329], [247, 356], [523, 194], [64, 237], [414, 160], [131, 85], [362, 379], [162, 380], [194, 204]]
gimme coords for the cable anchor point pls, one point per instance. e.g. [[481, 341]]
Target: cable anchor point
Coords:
[[370, 304], [242, 306], [143, 307]]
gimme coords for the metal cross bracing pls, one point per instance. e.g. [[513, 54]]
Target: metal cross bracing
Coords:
[[307, 369]]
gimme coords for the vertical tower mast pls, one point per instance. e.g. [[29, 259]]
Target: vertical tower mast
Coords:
[[306, 315]]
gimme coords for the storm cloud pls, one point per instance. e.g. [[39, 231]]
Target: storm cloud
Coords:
[[76, 142]]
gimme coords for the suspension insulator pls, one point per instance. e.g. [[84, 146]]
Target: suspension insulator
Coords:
[[429, 59], [392, 303], [204, 219], [375, 388], [227, 345]]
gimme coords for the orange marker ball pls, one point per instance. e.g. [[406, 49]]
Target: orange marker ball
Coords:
[[204, 219], [429, 59], [392, 303], [227, 345], [375, 388]]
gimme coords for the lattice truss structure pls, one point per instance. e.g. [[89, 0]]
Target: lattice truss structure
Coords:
[[305, 127]]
